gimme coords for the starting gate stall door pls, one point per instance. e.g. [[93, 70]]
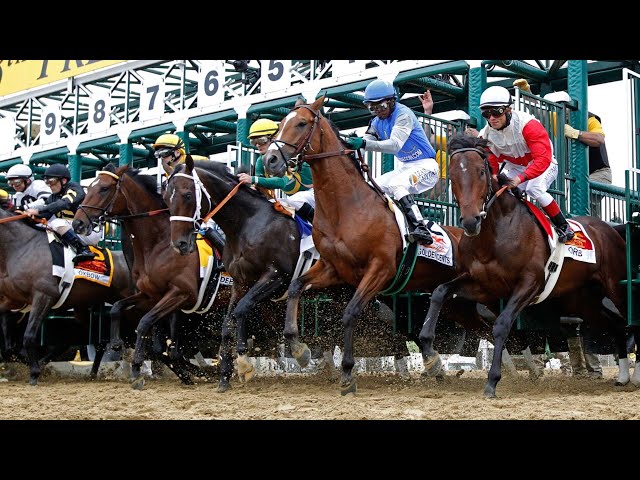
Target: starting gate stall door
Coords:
[[50, 125], [210, 83], [99, 112], [7, 134], [348, 67], [152, 98], [275, 75]]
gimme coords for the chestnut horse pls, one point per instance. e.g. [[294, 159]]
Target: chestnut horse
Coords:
[[503, 255], [354, 231], [166, 282]]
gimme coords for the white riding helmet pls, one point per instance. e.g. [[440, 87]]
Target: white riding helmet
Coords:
[[19, 171], [495, 97], [557, 97]]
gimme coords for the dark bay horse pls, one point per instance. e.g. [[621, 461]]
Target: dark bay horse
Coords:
[[260, 254], [503, 255], [26, 279], [353, 229], [166, 282]]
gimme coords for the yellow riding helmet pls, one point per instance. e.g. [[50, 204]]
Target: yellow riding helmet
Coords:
[[3, 194], [169, 140], [263, 126]]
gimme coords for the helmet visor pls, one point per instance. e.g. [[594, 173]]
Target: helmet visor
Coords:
[[495, 112], [375, 107], [259, 141]]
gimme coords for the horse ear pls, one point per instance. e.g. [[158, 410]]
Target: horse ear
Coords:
[[317, 105], [110, 167], [189, 162], [120, 170], [300, 101]]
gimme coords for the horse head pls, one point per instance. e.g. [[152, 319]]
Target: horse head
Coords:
[[298, 135], [183, 197], [101, 201], [470, 177]]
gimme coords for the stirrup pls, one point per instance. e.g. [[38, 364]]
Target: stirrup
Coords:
[[565, 236], [421, 236]]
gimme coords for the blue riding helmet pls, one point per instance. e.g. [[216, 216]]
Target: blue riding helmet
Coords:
[[379, 90]]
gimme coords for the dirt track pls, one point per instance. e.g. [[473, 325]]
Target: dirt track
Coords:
[[316, 397]]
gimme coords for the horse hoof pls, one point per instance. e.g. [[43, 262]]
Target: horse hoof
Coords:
[[245, 368], [351, 388], [459, 373], [138, 383], [432, 365], [117, 345], [33, 382], [621, 384], [93, 376], [302, 355], [489, 392], [440, 378], [223, 387]]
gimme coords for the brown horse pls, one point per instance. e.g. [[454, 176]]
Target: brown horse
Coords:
[[166, 282], [26, 279], [353, 229], [503, 255]]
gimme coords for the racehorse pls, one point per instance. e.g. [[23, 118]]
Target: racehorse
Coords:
[[260, 254], [26, 279], [166, 282], [503, 255], [354, 231]]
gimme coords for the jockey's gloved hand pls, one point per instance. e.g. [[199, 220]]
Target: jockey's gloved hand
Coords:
[[522, 84], [571, 132], [356, 142]]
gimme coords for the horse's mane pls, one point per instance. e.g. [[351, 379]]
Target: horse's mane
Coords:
[[148, 182], [221, 171], [335, 129], [461, 140]]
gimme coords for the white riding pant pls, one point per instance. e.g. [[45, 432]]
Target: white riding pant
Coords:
[[537, 187], [300, 198], [63, 225], [410, 177]]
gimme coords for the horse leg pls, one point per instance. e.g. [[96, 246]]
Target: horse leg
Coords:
[[518, 300], [226, 353], [372, 282], [430, 358], [100, 349], [262, 290], [169, 302], [320, 275], [40, 306], [116, 317]]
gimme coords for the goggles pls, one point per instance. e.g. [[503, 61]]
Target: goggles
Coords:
[[378, 107], [259, 141], [496, 112], [163, 152], [15, 182], [51, 180]]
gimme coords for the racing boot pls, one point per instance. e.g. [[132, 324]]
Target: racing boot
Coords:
[[565, 233], [82, 251], [414, 217]]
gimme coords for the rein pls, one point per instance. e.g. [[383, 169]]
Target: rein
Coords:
[[22, 215]]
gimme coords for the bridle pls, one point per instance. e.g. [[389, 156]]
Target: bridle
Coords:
[[196, 219], [106, 214], [489, 198], [300, 149]]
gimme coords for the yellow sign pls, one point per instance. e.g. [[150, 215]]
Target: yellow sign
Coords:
[[19, 75]]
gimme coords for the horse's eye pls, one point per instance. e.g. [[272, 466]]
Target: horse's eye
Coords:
[[104, 189], [302, 124], [187, 196]]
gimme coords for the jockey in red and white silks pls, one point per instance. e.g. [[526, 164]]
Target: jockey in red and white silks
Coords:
[[527, 150]]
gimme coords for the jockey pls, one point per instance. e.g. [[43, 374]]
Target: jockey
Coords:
[[170, 148], [520, 141], [30, 193], [60, 207], [395, 129], [297, 185]]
